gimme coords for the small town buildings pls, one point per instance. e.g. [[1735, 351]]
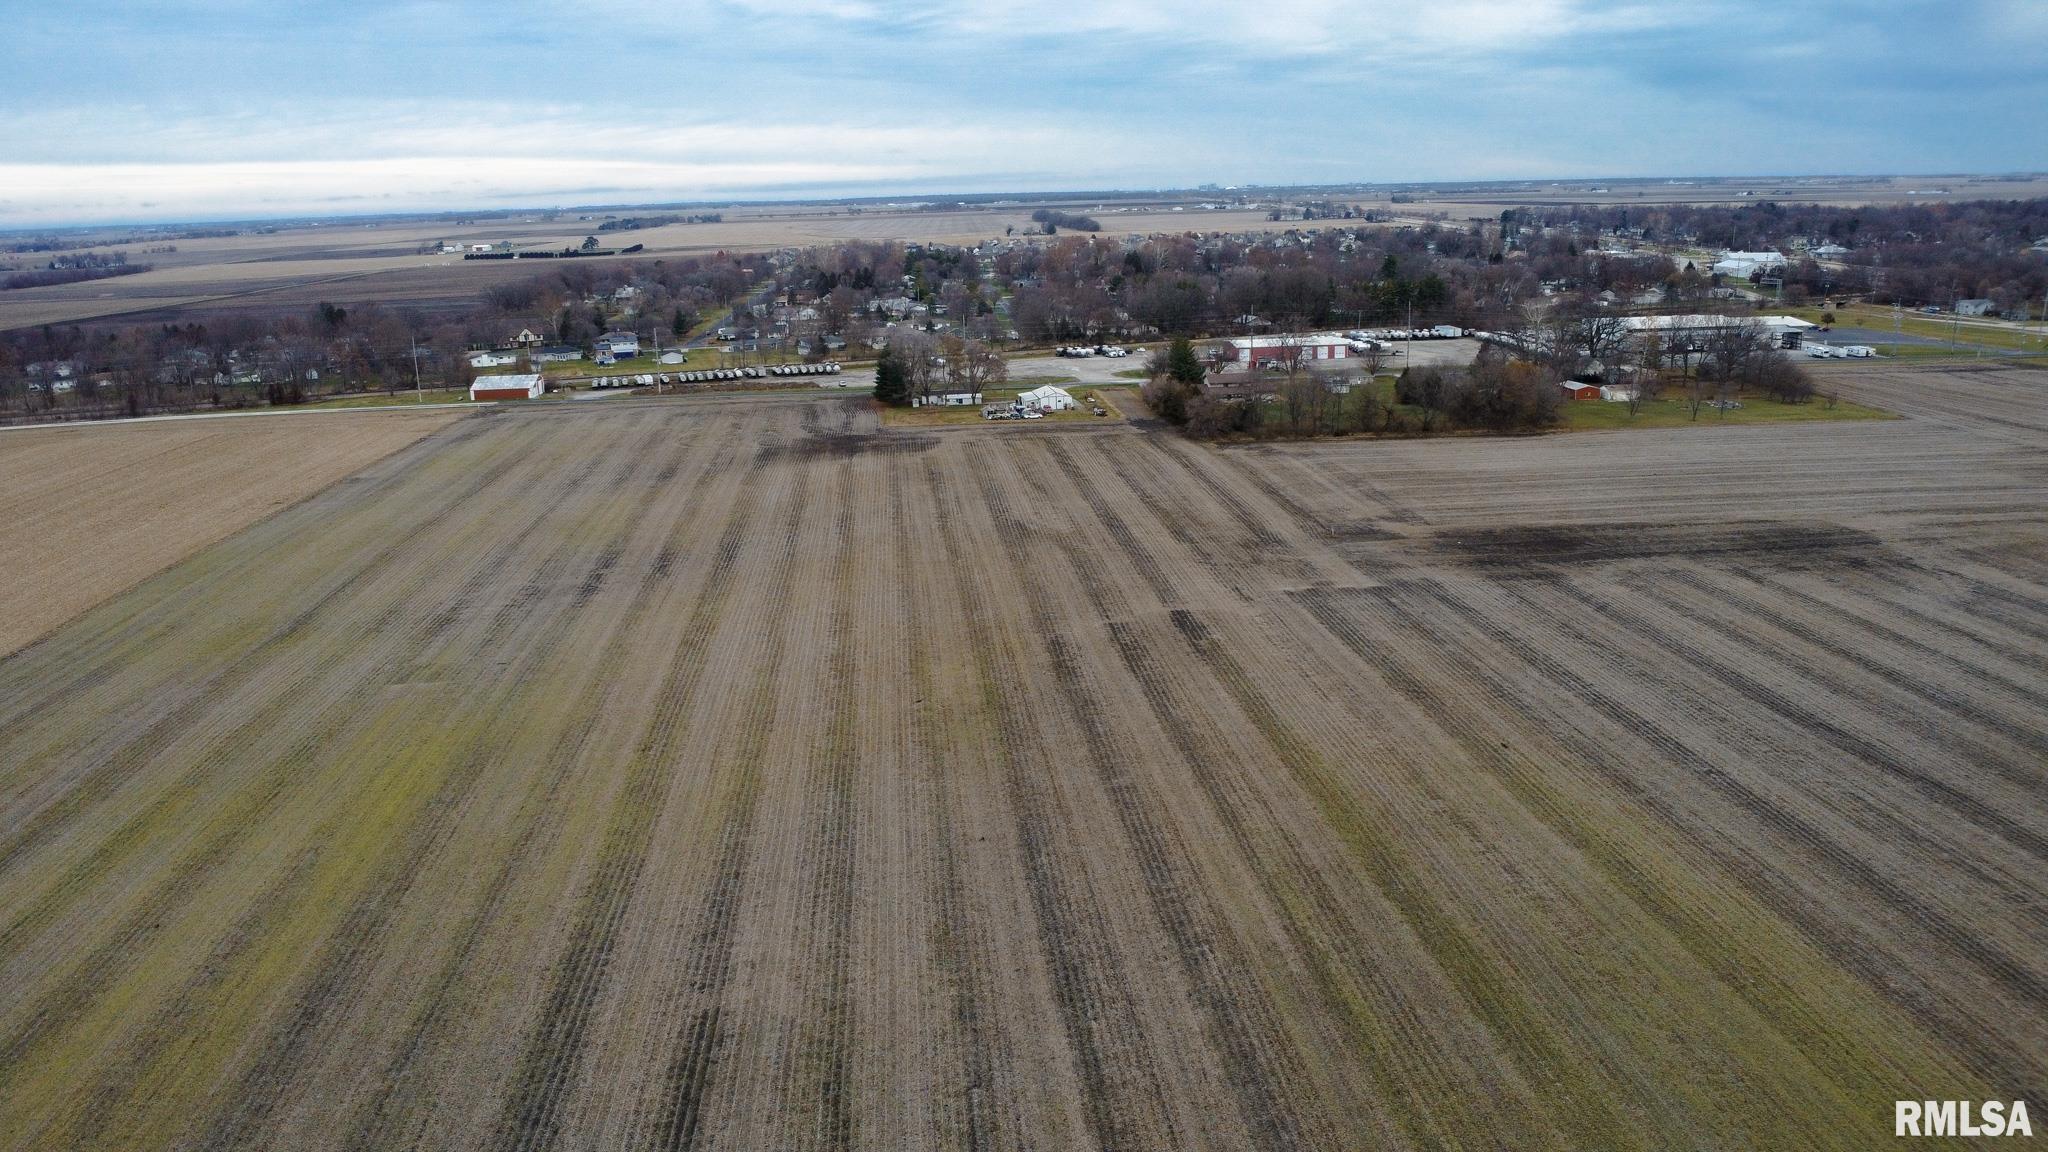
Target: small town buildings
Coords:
[[1976, 307], [674, 357], [492, 359], [623, 345], [558, 353], [1788, 330], [1578, 390], [527, 387], [1254, 351], [526, 339], [1743, 265]]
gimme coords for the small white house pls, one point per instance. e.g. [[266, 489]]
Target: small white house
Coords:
[[674, 357], [624, 345], [492, 359], [951, 399], [1047, 398]]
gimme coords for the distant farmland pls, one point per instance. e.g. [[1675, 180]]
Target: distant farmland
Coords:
[[350, 261], [733, 773]]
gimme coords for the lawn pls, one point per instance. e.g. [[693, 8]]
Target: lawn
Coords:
[[1966, 331], [1591, 415], [387, 399]]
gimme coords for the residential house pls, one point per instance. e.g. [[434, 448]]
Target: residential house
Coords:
[[623, 345]]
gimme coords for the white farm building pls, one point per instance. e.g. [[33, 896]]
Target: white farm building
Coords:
[[1047, 398], [527, 387]]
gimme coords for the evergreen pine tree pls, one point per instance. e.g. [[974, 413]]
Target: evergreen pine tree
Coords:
[[892, 381], [1183, 365]]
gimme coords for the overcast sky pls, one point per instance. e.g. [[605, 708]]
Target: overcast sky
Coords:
[[123, 110]]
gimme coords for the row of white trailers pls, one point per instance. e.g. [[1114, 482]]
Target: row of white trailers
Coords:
[[714, 375]]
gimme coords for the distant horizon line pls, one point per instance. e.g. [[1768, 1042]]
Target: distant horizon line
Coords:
[[985, 198]]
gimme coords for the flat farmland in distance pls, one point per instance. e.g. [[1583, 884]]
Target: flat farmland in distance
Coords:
[[293, 269], [88, 510], [733, 772]]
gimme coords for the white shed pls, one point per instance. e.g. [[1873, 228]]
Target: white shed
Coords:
[[527, 387], [1047, 398]]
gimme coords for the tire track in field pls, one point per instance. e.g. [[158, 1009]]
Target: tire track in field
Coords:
[[1239, 1020], [1253, 524], [355, 944], [398, 1088], [1178, 524], [960, 949], [824, 1044], [434, 813], [2029, 658], [1579, 1109], [531, 1117], [1343, 978], [1976, 611], [257, 800], [1090, 992], [1836, 941], [697, 1002], [1471, 675], [1920, 688], [1885, 760], [1310, 524], [101, 779]]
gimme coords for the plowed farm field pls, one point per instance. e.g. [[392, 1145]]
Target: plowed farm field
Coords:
[[88, 510], [736, 773]]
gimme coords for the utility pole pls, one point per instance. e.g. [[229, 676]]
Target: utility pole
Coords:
[[418, 395]]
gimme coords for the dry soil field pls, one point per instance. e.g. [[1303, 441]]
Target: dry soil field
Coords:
[[729, 773], [86, 511]]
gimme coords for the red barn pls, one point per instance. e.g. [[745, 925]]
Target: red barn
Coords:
[[1579, 390], [525, 387]]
